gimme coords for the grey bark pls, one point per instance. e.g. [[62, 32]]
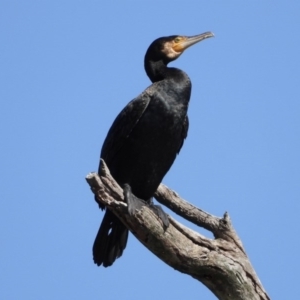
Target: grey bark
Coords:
[[221, 264]]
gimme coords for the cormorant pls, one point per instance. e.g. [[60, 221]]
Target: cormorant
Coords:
[[145, 138]]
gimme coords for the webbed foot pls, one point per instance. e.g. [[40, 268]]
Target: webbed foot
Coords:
[[161, 214], [133, 202]]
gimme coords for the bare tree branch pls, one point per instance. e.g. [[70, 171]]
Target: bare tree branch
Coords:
[[221, 264], [220, 227]]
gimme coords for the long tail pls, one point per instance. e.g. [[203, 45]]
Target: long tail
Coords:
[[110, 241]]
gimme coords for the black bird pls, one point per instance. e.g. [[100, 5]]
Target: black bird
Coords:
[[145, 138]]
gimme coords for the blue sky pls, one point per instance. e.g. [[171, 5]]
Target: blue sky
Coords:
[[66, 70]]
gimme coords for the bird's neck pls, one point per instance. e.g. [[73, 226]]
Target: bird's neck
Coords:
[[173, 80], [158, 70]]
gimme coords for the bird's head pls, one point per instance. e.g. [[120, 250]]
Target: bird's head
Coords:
[[171, 47]]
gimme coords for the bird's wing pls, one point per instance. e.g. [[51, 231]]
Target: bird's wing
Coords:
[[184, 132], [123, 125]]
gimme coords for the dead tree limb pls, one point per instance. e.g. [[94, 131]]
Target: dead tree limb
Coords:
[[221, 264]]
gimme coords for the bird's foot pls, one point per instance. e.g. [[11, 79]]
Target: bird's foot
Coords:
[[161, 215], [133, 202]]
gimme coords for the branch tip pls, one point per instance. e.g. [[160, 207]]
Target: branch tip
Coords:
[[104, 171]]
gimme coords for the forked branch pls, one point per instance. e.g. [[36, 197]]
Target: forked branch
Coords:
[[221, 264]]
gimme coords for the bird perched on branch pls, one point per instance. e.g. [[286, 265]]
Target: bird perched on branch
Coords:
[[144, 139]]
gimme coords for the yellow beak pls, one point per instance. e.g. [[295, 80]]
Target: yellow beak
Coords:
[[191, 40]]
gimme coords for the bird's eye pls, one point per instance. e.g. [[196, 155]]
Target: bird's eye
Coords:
[[177, 40]]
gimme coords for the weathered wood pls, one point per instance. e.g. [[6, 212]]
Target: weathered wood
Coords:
[[221, 264]]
